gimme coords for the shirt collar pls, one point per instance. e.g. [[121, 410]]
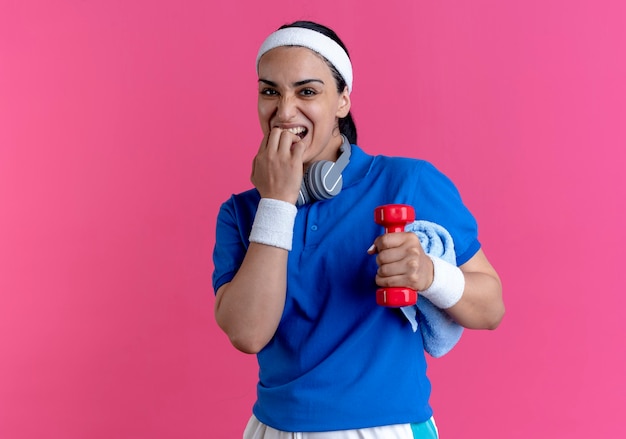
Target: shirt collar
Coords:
[[358, 168]]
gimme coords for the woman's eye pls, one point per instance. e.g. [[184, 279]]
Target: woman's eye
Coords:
[[268, 92], [308, 92]]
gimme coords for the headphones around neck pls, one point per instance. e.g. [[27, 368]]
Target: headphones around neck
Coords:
[[323, 179]]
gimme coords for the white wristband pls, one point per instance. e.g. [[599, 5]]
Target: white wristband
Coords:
[[273, 223], [448, 284]]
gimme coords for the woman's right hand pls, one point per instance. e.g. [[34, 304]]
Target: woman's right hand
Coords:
[[278, 166], [251, 320]]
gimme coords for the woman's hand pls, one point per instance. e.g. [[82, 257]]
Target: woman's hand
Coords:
[[402, 261], [278, 167]]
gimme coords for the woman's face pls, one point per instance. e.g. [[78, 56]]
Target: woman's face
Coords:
[[297, 92]]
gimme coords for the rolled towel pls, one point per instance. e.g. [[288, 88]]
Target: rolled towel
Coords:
[[439, 331]]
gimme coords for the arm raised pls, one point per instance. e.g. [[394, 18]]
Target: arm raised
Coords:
[[249, 308]]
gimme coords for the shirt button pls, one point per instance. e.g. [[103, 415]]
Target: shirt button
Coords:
[[314, 227]]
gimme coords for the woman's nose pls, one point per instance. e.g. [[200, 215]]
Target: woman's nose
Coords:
[[286, 109]]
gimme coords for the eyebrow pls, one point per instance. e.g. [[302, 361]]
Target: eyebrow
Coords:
[[295, 84]]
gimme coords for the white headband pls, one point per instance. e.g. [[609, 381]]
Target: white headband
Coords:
[[317, 42]]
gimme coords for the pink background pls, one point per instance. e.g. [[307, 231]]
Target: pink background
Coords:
[[125, 124]]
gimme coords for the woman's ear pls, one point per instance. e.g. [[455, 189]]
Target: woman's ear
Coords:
[[344, 104]]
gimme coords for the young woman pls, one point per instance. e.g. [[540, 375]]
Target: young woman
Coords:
[[295, 282]]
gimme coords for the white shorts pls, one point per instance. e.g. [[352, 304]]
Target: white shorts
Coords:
[[426, 430]]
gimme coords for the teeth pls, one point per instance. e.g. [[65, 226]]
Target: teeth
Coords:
[[297, 130]]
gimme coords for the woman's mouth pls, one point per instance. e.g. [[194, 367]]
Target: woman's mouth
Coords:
[[298, 131]]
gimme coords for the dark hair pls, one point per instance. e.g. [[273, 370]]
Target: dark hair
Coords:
[[346, 124]]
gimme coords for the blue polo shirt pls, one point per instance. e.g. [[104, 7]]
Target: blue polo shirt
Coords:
[[338, 360]]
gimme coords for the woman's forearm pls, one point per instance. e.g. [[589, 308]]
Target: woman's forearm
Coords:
[[249, 308], [481, 305]]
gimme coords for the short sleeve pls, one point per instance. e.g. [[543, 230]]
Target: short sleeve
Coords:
[[231, 243], [442, 202]]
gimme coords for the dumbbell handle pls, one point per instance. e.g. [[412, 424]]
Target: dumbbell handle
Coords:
[[394, 217]]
